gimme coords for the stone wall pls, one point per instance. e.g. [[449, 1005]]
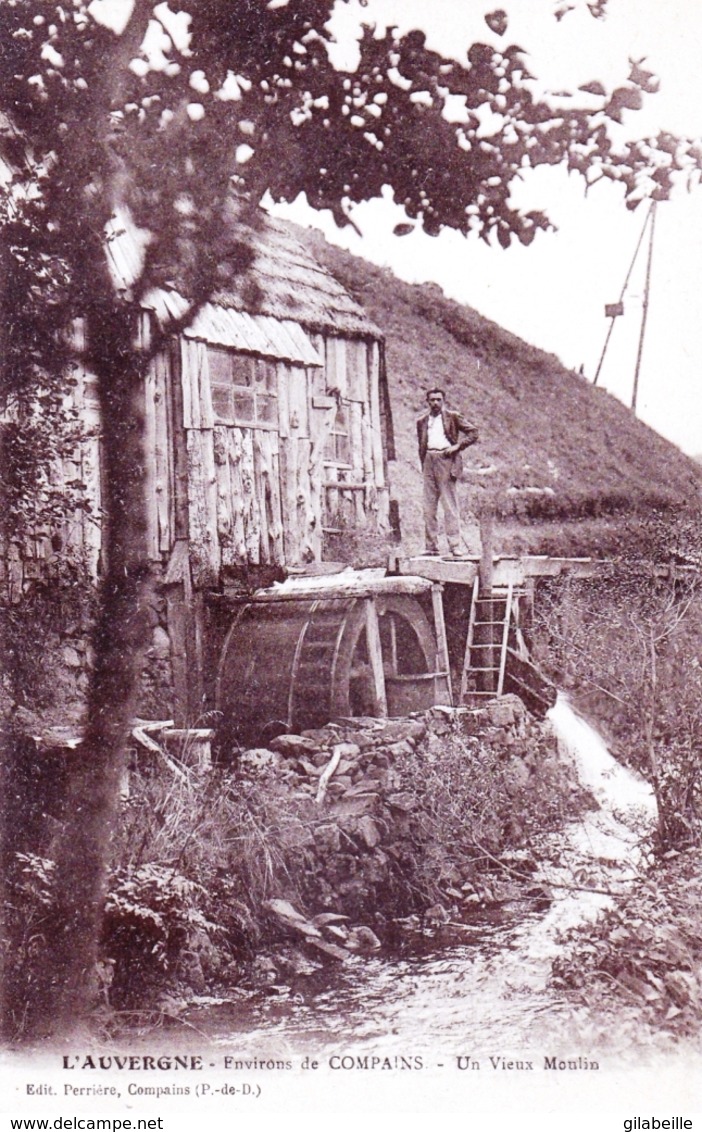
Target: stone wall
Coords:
[[397, 805]]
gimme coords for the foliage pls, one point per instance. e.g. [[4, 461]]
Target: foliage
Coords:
[[477, 797], [224, 833], [34, 444], [26, 900], [32, 631], [199, 856], [629, 645], [263, 75], [645, 954], [98, 121], [150, 915]]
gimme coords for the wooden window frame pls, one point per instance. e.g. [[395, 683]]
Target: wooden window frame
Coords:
[[333, 462], [251, 388]]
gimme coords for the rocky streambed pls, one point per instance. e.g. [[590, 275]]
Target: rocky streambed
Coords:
[[272, 871], [363, 837], [476, 972]]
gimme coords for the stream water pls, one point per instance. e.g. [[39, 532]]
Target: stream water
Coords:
[[492, 992]]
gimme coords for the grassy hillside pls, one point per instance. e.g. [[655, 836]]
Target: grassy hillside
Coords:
[[552, 449]]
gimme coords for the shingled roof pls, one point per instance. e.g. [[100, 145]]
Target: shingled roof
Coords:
[[283, 282]]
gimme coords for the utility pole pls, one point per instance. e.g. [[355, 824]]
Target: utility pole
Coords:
[[644, 313], [616, 309]]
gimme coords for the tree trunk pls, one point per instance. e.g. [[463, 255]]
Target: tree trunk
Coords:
[[82, 849]]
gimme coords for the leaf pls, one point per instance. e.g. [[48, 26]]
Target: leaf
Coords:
[[593, 88], [497, 21], [623, 98], [647, 80]]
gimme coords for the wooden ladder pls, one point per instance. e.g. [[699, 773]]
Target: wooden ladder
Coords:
[[485, 657]]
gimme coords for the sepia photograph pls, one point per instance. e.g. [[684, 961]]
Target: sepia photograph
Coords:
[[350, 562]]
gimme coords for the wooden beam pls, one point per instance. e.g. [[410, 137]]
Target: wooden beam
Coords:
[[460, 571], [335, 586], [487, 539], [441, 642], [375, 655]]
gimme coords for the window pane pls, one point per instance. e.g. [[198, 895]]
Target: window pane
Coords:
[[266, 409], [259, 370], [265, 375], [244, 407], [220, 365], [242, 369], [221, 402], [271, 377], [343, 449]]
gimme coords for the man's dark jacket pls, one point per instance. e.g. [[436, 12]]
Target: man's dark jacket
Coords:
[[458, 431]]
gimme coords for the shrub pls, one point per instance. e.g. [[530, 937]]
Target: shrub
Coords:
[[628, 648], [151, 914], [26, 901], [643, 955]]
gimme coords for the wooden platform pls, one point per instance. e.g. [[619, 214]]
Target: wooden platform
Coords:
[[506, 571], [348, 583], [519, 571]]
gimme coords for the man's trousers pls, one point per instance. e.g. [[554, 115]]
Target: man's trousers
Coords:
[[439, 485]]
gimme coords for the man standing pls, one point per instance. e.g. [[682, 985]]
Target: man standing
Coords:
[[442, 435]]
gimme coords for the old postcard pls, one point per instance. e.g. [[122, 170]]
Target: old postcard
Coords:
[[349, 562]]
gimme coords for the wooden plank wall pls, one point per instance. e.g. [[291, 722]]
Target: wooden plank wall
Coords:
[[235, 502], [260, 495], [352, 367], [240, 494]]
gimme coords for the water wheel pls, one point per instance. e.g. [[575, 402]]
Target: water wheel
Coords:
[[294, 665]]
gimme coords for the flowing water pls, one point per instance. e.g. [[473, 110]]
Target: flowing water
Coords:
[[492, 992]]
